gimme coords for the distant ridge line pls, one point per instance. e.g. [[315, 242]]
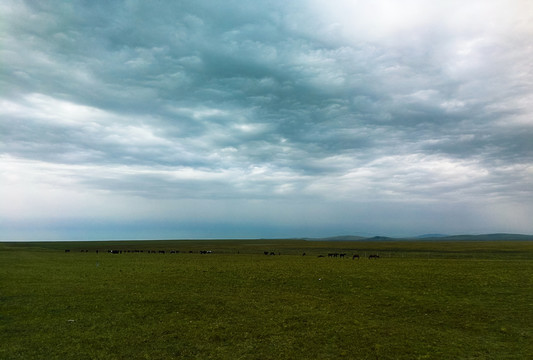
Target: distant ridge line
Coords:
[[430, 237]]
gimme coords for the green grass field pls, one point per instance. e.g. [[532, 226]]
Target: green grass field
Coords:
[[420, 300]]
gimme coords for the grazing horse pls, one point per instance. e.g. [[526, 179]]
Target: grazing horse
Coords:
[[67, 250], [355, 256], [370, 257]]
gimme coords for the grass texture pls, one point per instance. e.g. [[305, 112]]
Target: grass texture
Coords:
[[419, 300]]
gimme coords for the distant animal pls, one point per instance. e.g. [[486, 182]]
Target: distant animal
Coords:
[[355, 256], [320, 256], [67, 250], [370, 257]]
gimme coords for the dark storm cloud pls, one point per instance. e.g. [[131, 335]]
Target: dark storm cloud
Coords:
[[299, 100]]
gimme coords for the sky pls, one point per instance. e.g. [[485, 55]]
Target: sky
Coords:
[[265, 119]]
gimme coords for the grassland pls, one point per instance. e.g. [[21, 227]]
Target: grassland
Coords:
[[420, 300]]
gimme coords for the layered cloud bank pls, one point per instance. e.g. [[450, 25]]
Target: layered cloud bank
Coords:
[[151, 119]]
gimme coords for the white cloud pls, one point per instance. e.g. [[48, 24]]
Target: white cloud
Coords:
[[351, 107]]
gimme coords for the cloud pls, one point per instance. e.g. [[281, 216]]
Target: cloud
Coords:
[[345, 105]]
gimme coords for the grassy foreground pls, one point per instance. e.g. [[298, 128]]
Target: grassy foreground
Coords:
[[420, 300]]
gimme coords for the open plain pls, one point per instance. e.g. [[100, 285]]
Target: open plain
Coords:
[[226, 299]]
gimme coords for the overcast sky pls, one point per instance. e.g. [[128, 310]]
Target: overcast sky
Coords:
[[220, 119]]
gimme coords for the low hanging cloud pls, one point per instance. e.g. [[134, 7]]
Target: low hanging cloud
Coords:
[[355, 108]]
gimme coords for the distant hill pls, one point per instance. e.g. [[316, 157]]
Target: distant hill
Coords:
[[354, 238], [432, 237], [379, 238], [485, 237]]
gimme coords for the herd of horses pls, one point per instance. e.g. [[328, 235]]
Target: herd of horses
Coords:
[[115, 251]]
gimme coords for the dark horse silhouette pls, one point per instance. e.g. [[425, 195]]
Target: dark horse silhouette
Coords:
[[373, 257]]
